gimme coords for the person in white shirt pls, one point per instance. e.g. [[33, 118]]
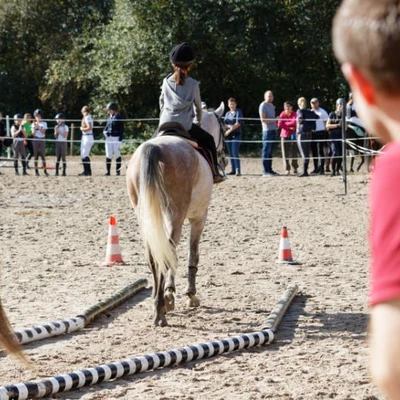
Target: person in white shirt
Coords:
[[86, 141], [319, 142], [39, 128]]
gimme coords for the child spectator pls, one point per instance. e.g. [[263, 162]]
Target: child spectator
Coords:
[[366, 41], [287, 124], [19, 140], [61, 135], [233, 135], [27, 124], [39, 128]]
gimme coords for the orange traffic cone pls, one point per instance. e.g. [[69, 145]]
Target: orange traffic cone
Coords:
[[113, 255], [285, 253]]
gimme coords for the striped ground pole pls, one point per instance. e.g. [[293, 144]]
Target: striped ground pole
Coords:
[[36, 333], [115, 370]]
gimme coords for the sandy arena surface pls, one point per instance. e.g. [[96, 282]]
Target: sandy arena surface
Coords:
[[53, 237]]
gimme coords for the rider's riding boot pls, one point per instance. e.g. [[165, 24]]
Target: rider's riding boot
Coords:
[[16, 167], [88, 167], [108, 166], [45, 169], [217, 176], [24, 165], [118, 167]]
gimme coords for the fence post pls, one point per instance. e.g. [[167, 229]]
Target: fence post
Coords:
[[72, 140]]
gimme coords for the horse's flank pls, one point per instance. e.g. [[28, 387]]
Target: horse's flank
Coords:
[[168, 181]]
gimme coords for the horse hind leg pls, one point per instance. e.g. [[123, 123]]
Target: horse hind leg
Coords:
[[169, 296], [362, 157], [160, 309], [197, 227], [158, 291]]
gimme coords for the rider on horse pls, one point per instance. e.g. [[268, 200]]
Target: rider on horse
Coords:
[[179, 93]]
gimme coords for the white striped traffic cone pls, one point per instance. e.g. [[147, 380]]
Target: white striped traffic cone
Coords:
[[113, 255], [285, 252]]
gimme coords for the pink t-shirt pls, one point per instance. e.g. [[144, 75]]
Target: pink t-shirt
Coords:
[[287, 123], [385, 226]]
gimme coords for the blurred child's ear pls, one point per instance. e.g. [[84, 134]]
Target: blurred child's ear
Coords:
[[359, 83]]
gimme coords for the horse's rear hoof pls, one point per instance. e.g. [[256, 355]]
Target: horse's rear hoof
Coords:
[[193, 301], [169, 300], [160, 321]]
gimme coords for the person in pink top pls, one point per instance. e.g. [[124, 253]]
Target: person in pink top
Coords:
[[366, 41], [287, 125]]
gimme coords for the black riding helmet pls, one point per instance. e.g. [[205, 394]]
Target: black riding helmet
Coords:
[[112, 106], [60, 116], [18, 116], [181, 54], [38, 111]]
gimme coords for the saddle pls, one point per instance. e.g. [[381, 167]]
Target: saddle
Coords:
[[176, 129]]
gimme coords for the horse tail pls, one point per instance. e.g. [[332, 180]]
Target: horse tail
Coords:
[[152, 205], [7, 339]]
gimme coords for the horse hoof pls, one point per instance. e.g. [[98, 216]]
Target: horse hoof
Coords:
[[169, 300], [193, 301], [160, 322]]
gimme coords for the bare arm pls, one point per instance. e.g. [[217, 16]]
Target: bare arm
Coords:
[[385, 347]]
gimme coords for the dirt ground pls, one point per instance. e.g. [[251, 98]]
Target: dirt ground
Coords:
[[53, 237]]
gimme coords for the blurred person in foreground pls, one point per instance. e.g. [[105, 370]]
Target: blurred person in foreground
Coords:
[[366, 39]]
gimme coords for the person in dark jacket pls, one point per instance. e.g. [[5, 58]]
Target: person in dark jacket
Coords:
[[334, 127], [113, 133], [305, 126]]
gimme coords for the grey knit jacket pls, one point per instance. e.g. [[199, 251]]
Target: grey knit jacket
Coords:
[[177, 101]]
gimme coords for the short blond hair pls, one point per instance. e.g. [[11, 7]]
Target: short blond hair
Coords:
[[302, 102]]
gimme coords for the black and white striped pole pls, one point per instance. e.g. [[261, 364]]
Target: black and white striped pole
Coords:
[[115, 370], [56, 328]]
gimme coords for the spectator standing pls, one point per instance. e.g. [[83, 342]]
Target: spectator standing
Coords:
[[113, 133], [305, 125], [27, 124], [233, 135], [368, 52], [334, 126], [39, 128], [61, 135], [287, 124], [319, 137], [268, 122], [19, 139], [86, 140]]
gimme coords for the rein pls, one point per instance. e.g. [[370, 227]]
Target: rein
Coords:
[[221, 139]]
